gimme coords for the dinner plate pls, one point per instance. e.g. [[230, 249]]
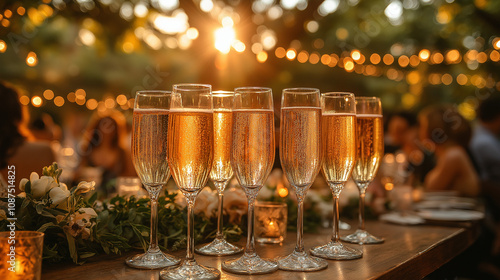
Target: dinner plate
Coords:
[[451, 215], [397, 218], [436, 204]]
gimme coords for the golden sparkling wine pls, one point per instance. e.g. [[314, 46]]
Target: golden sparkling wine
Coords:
[[190, 153], [300, 149], [253, 157], [150, 144], [369, 147], [339, 148], [223, 127]]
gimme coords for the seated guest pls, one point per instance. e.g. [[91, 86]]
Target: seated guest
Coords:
[[485, 147], [104, 146], [17, 147], [402, 129], [450, 134], [485, 143]]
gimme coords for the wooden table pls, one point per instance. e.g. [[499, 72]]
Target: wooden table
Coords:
[[409, 252]]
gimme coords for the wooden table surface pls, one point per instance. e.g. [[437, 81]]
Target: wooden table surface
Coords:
[[409, 252]]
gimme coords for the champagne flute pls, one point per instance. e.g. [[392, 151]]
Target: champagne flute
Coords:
[[221, 168], [339, 152], [149, 154], [252, 158], [369, 151], [190, 157], [300, 154]]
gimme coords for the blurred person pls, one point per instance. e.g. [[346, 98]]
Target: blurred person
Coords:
[[485, 143], [485, 147], [44, 128], [449, 133], [104, 146], [18, 147], [402, 129]]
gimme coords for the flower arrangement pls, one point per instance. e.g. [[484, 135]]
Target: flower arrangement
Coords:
[[77, 226]]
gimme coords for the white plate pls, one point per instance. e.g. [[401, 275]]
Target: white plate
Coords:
[[436, 204], [451, 215], [397, 218]]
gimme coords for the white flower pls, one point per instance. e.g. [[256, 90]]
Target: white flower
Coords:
[[86, 212], [41, 185], [22, 195], [180, 200], [235, 204], [84, 187], [206, 202], [265, 193], [23, 183], [59, 195]]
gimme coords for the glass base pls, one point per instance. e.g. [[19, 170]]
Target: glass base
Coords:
[[336, 251], [301, 261], [152, 260], [250, 264], [190, 270], [362, 237], [218, 247]]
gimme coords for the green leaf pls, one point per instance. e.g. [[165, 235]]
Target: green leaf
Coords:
[[92, 199], [39, 208], [87, 255], [72, 247], [46, 226]]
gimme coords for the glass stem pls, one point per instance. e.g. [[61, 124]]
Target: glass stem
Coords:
[[251, 195], [336, 235], [362, 193], [300, 226], [154, 192], [220, 191], [153, 241], [190, 219]]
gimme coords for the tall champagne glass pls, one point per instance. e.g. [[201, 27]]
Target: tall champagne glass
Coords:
[[252, 158], [369, 152], [190, 157], [149, 154], [221, 168], [339, 152], [300, 154]]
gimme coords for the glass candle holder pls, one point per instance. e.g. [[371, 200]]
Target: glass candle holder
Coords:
[[403, 199], [270, 222], [21, 255], [128, 186]]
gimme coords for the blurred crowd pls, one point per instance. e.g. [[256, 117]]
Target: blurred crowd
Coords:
[[91, 149], [435, 149]]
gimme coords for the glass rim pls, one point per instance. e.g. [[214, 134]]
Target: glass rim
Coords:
[[20, 234], [301, 90], [337, 94], [368, 98], [191, 87], [153, 93], [222, 93], [240, 90]]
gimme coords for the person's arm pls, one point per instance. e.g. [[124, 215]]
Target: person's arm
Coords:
[[441, 176]]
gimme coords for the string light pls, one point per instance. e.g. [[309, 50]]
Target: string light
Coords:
[[3, 46], [48, 94], [59, 101], [36, 101], [262, 56], [31, 59]]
